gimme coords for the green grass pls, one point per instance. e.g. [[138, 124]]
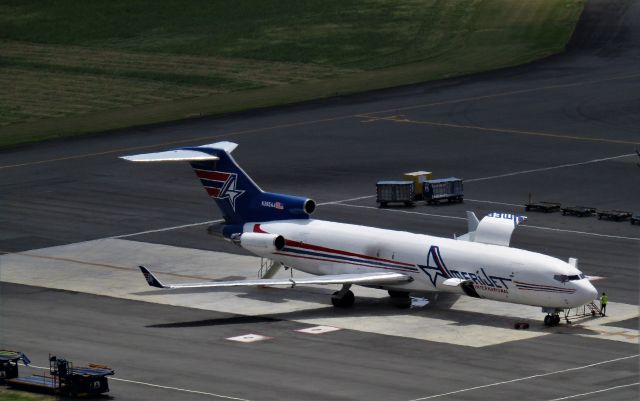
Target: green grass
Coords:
[[11, 395], [70, 67]]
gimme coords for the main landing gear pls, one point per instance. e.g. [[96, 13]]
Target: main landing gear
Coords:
[[400, 299], [552, 319], [343, 298]]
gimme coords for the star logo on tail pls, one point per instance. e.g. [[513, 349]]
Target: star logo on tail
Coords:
[[230, 192]]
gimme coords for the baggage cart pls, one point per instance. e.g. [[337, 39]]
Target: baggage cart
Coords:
[[450, 189], [395, 191], [546, 207], [615, 215], [579, 211]]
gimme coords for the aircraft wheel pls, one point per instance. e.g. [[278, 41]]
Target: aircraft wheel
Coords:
[[556, 320], [400, 299], [547, 320], [346, 301]]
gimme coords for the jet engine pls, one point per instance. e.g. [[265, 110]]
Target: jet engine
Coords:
[[259, 243]]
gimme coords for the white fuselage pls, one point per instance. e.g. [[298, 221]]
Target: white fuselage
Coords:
[[496, 272]]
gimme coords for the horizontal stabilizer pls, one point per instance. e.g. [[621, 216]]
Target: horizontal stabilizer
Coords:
[[171, 155], [358, 278]]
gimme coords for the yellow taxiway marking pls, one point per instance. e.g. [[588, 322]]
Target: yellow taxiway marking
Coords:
[[404, 120], [309, 122]]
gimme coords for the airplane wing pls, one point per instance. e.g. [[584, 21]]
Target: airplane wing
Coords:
[[357, 278]]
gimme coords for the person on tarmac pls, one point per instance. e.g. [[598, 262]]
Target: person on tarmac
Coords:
[[604, 299]]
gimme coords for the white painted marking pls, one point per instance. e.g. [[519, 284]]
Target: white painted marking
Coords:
[[583, 233], [159, 230], [527, 378], [597, 391], [537, 170], [319, 329], [249, 338], [493, 203], [184, 390], [463, 218], [402, 211]]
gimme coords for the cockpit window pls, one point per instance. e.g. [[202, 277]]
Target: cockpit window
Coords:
[[563, 278]]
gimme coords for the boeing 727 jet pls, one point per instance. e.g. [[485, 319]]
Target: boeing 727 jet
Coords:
[[279, 227]]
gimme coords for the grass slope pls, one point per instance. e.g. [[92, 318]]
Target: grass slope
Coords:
[[69, 67]]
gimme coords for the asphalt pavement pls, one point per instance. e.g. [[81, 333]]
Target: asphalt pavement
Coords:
[[563, 129]]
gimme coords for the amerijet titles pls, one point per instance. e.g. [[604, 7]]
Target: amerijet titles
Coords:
[[436, 267]]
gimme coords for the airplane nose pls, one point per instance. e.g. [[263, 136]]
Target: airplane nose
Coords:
[[587, 292]]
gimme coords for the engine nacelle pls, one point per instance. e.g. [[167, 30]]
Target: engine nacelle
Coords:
[[259, 243]]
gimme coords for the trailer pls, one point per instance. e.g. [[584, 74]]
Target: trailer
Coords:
[[450, 189], [546, 207], [579, 211], [66, 380], [395, 191], [615, 215], [635, 219]]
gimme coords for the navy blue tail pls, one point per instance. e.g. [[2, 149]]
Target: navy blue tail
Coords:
[[239, 198]]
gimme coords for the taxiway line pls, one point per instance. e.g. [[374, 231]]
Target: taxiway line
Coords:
[[504, 94], [526, 378], [309, 122], [464, 218], [596, 392], [184, 390], [500, 130]]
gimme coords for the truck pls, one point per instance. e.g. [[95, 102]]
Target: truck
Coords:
[[450, 189], [395, 191]]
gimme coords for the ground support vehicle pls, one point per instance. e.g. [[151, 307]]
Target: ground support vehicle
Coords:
[[546, 207], [9, 364], [580, 211], [615, 215], [395, 191], [450, 189], [66, 380], [635, 219]]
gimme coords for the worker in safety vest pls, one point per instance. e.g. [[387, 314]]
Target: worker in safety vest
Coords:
[[604, 299]]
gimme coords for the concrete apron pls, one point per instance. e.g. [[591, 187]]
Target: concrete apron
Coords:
[[109, 267]]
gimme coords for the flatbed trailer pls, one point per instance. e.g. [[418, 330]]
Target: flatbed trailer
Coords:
[[66, 380], [546, 207], [615, 215], [580, 211]]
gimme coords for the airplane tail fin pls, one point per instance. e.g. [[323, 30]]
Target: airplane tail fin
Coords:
[[238, 197]]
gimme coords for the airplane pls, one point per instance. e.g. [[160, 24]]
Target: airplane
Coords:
[[279, 227]]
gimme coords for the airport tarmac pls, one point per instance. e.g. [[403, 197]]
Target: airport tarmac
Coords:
[[76, 221]]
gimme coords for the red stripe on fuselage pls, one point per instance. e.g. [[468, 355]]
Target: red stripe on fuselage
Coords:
[[333, 261], [213, 191], [212, 175], [258, 229]]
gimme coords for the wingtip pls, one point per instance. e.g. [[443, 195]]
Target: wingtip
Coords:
[[151, 279]]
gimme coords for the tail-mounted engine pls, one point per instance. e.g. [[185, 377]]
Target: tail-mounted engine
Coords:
[[259, 243]]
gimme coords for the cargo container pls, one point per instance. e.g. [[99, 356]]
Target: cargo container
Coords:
[[418, 178], [450, 189], [395, 191]]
